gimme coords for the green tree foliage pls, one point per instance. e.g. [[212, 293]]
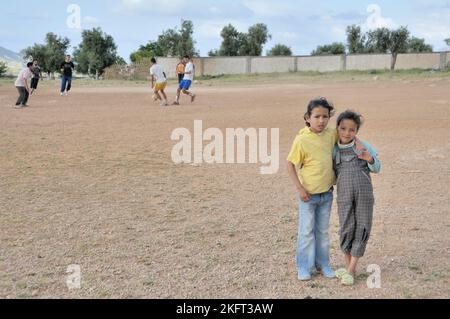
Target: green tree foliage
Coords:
[[257, 36], [230, 44], [96, 52], [51, 54], [330, 49], [447, 41], [151, 49], [186, 43], [398, 43], [3, 68], [171, 42], [356, 40], [214, 52], [120, 61], [377, 41], [280, 50], [383, 40], [236, 43], [416, 45]]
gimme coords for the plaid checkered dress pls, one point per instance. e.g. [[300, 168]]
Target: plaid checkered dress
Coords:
[[355, 201]]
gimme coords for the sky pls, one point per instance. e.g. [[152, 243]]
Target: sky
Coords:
[[301, 25]]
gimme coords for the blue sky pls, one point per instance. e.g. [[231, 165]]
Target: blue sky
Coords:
[[302, 24]]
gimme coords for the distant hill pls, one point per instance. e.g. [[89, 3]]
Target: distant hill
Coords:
[[6, 54], [13, 60]]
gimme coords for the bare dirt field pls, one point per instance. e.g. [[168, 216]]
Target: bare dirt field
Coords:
[[88, 180]]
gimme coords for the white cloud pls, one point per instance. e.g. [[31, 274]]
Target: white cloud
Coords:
[[287, 35], [194, 9], [439, 4], [88, 20], [433, 32], [209, 30], [269, 8], [152, 6], [376, 20], [338, 32], [433, 27]]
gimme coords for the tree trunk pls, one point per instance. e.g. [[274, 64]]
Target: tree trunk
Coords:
[[393, 61], [96, 74]]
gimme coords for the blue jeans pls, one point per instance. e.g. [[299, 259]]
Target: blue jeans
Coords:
[[313, 239], [66, 81]]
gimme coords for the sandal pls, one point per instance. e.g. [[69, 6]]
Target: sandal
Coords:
[[340, 273], [347, 280]]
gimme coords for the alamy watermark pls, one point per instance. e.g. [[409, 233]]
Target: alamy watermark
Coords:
[[374, 280], [73, 280], [228, 148], [74, 19]]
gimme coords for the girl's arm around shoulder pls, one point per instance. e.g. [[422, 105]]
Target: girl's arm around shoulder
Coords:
[[375, 167]]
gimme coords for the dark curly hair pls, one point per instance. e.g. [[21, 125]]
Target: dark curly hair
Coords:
[[351, 115], [318, 102]]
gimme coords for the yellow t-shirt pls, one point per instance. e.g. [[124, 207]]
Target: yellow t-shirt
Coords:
[[313, 155]]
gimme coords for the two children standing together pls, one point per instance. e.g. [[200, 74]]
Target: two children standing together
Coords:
[[319, 155]]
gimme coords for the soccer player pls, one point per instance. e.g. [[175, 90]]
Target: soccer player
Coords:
[[189, 73], [158, 76]]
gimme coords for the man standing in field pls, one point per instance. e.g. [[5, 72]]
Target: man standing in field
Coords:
[[187, 81], [67, 68], [158, 76], [22, 86]]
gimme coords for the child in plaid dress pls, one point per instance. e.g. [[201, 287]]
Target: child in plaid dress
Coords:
[[353, 161]]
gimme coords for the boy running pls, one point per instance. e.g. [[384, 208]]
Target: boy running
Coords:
[[36, 76], [187, 81], [67, 68], [158, 76]]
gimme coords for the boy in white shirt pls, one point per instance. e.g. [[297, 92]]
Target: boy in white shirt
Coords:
[[22, 86], [189, 73], [158, 76]]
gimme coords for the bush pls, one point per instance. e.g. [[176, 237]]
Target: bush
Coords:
[[3, 68]]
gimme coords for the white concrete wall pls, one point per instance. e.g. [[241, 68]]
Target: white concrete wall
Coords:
[[245, 65], [369, 62], [239, 65], [225, 65], [327, 63], [169, 65], [272, 64], [418, 61]]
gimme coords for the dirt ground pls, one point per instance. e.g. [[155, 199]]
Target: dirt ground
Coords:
[[88, 179]]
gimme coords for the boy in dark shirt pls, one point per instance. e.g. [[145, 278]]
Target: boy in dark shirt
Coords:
[[36, 76], [67, 68]]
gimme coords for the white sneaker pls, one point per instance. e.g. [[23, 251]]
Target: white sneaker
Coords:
[[62, 94], [164, 104]]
